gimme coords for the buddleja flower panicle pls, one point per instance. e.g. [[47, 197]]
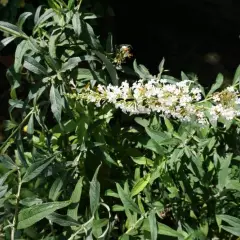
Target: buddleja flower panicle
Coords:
[[181, 100]]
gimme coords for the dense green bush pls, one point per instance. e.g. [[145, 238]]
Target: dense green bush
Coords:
[[77, 165]]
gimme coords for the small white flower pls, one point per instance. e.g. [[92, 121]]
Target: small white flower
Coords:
[[216, 98], [163, 80], [230, 89], [237, 101], [196, 90]]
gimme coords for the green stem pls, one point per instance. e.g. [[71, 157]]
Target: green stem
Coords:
[[79, 4], [15, 218], [2, 150]]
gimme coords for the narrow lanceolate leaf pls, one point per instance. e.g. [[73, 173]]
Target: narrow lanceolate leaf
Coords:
[[6, 41], [36, 168], [28, 216], [223, 172], [71, 4], [76, 22], [217, 84], [236, 78], [30, 126], [94, 192], [233, 221], [52, 45], [52, 63], [126, 200], [167, 231], [140, 185], [34, 45], [153, 225], [62, 220], [12, 29], [33, 66], [233, 230], [140, 70], [109, 66], [21, 50], [56, 103], [75, 199], [161, 67], [70, 64], [48, 14], [22, 18], [37, 14], [7, 162], [55, 189]]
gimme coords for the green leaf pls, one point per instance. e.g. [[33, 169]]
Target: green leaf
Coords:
[[22, 18], [90, 16], [94, 192], [75, 199], [140, 185], [167, 231], [109, 159], [118, 208], [236, 78], [168, 124], [55, 189], [30, 201], [77, 25], [233, 221], [126, 200], [109, 66], [184, 76], [33, 66], [21, 50], [157, 136], [109, 44], [5, 176], [233, 185], [217, 85], [62, 220], [56, 103], [84, 73], [143, 161], [71, 4], [141, 70], [154, 146], [70, 64], [52, 45], [53, 64], [233, 230], [3, 190], [141, 121], [111, 193], [33, 45], [48, 14], [36, 168], [30, 126], [223, 172], [28, 216], [90, 37], [7, 162], [12, 29], [37, 14], [161, 67], [6, 41], [98, 224], [153, 225]]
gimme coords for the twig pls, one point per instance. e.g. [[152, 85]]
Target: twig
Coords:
[[15, 218]]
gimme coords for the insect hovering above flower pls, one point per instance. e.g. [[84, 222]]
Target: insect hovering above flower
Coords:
[[123, 52]]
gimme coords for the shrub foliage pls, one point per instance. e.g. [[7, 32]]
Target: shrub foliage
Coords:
[[76, 168]]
